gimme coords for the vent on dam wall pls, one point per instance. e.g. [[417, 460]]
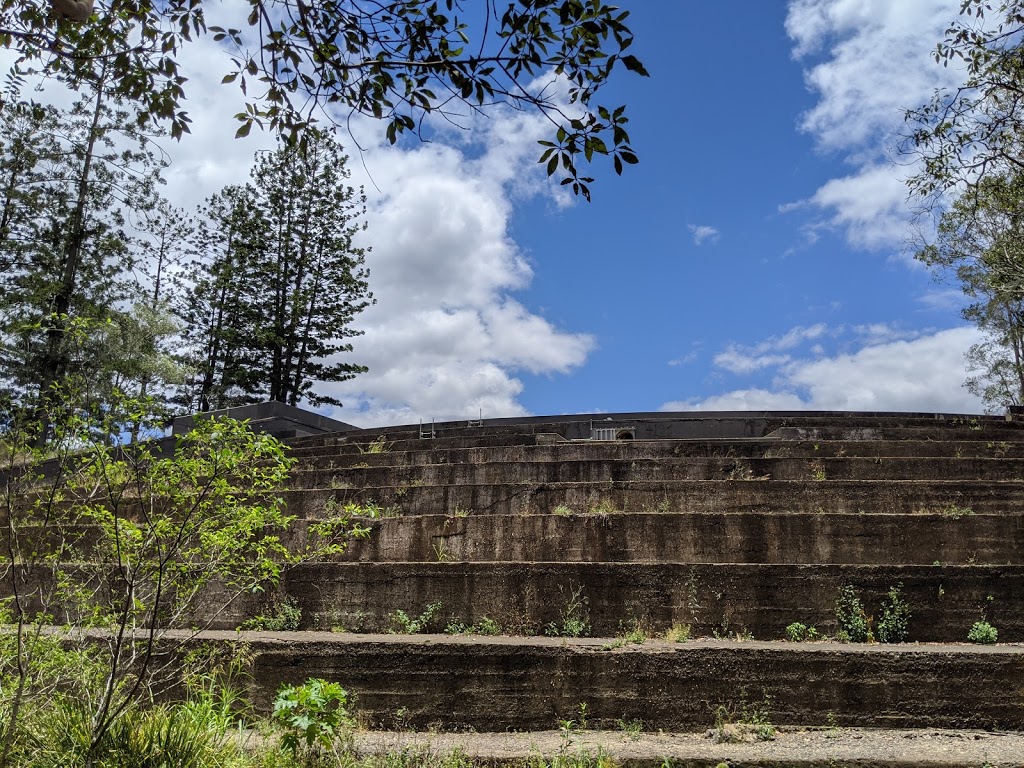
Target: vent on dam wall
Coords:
[[613, 433]]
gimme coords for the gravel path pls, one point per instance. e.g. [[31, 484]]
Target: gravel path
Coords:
[[792, 748]]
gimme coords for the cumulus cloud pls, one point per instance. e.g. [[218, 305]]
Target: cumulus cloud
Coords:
[[703, 233], [923, 373], [867, 62]]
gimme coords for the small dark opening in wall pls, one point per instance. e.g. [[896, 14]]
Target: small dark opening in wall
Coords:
[[625, 434]]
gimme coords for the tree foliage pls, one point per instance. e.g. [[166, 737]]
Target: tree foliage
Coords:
[[974, 131], [73, 183], [114, 545], [280, 282], [400, 61], [980, 244], [970, 142]]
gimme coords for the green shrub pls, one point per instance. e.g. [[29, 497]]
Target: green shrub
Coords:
[[285, 617], [404, 624], [799, 633], [313, 714], [854, 625], [983, 633], [895, 617]]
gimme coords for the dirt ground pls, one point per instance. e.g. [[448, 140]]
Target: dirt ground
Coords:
[[792, 747]]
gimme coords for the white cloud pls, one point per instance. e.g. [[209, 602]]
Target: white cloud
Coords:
[[741, 400], [867, 62], [703, 233], [740, 359], [925, 373]]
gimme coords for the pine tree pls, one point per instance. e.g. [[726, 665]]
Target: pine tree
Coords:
[[280, 282]]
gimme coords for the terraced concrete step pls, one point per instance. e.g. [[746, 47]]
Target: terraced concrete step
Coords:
[[792, 747], [704, 537], [586, 470], [703, 426], [727, 496], [414, 453], [499, 684], [952, 537], [723, 598]]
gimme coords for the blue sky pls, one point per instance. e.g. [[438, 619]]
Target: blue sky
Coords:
[[756, 258], [740, 142]]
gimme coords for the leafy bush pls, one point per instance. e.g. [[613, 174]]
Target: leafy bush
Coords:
[[895, 616], [313, 714], [285, 617], [678, 633], [983, 633], [799, 633], [854, 625], [403, 623]]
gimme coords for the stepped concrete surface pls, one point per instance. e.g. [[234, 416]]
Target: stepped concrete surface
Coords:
[[632, 528]]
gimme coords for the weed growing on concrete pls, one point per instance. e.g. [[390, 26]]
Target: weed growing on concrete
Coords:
[[631, 728], [999, 449], [678, 633], [460, 511], [635, 633], [854, 623], [403, 624], [955, 511], [372, 510], [486, 626], [894, 618], [355, 621], [831, 725], [337, 483], [562, 511], [818, 470], [285, 616], [380, 445], [632, 633], [725, 632], [737, 724], [801, 633], [573, 622], [361, 465], [441, 553], [603, 507], [983, 633]]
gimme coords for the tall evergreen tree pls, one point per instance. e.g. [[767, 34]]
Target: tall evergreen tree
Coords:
[[281, 281], [65, 254]]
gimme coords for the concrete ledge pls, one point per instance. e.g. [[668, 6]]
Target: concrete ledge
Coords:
[[524, 598], [841, 496], [579, 468], [498, 684], [798, 538]]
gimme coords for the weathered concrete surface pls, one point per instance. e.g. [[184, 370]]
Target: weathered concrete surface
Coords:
[[497, 684], [887, 539], [702, 537], [524, 598], [583, 469], [415, 453], [725, 496]]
